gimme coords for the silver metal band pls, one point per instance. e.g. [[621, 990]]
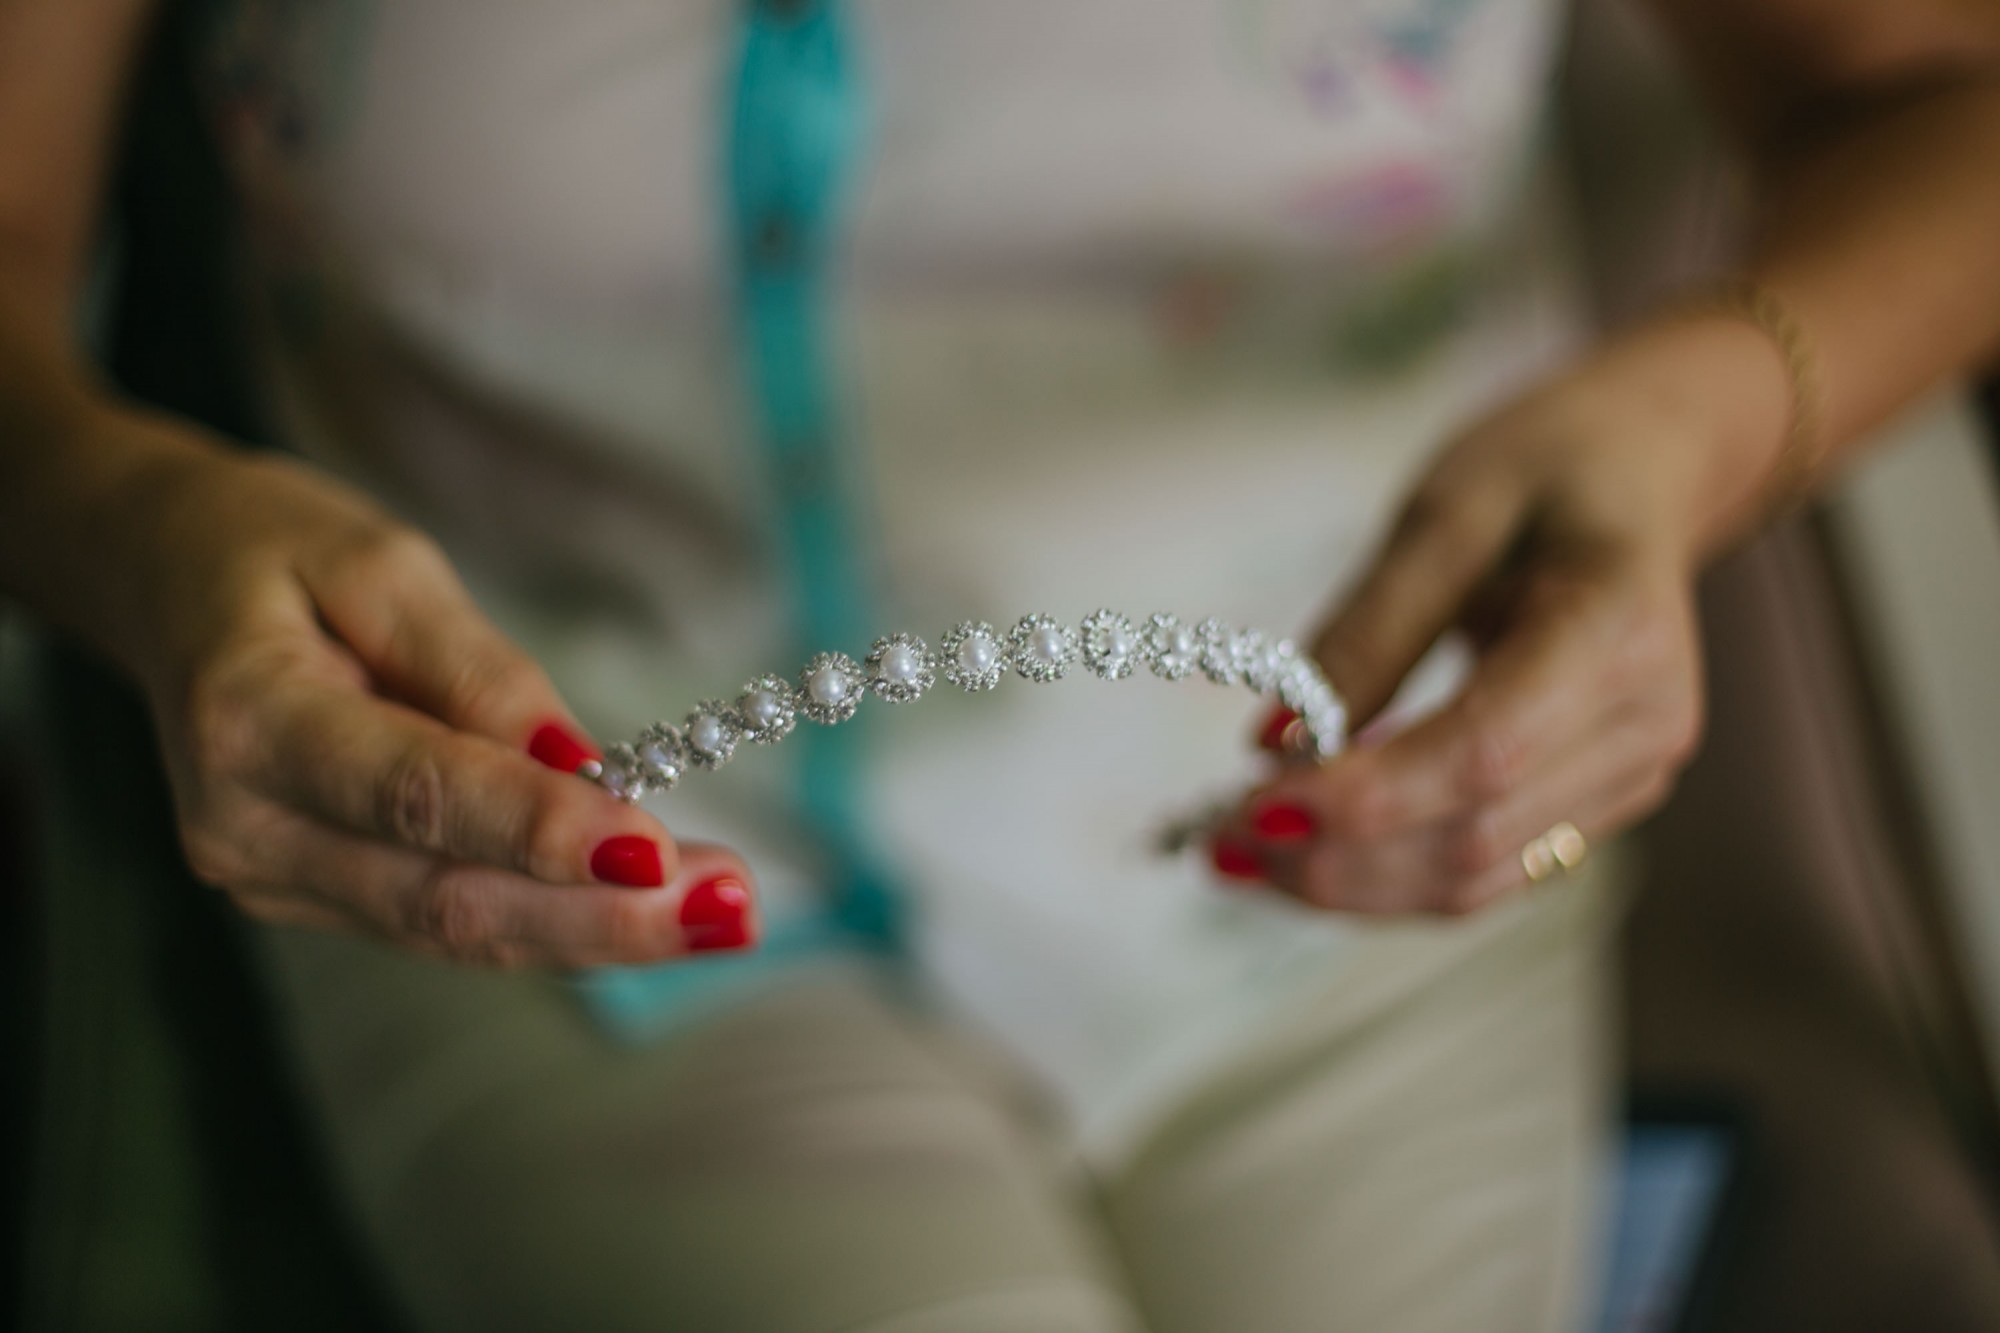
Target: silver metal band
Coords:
[[901, 668]]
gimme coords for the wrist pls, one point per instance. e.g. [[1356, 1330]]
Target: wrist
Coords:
[[73, 535], [1717, 400]]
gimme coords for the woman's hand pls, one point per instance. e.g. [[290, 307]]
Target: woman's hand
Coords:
[[1565, 531], [1562, 534], [349, 740]]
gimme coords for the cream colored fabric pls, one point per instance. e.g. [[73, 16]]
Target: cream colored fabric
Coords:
[[1411, 1149]]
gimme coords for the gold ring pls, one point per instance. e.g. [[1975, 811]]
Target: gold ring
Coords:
[[1562, 849]]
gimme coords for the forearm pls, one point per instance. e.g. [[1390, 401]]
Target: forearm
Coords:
[[1884, 241], [77, 473], [1873, 131]]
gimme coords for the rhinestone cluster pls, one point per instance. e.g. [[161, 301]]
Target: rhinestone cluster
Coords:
[[901, 668]]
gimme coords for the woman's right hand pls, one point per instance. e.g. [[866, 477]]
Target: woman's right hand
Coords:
[[347, 737], [352, 745]]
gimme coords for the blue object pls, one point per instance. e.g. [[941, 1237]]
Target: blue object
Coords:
[[797, 124], [797, 127], [1668, 1194]]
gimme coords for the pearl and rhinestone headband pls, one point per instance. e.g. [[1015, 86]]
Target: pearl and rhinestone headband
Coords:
[[974, 656]]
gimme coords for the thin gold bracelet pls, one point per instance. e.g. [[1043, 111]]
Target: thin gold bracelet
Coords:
[[1790, 478]]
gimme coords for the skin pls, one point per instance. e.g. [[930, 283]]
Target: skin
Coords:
[[344, 730], [1565, 530]]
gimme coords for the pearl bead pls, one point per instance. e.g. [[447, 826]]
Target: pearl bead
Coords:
[[763, 709], [659, 757], [1047, 645], [1117, 645], [623, 783], [829, 686], [1182, 642], [707, 734], [901, 665], [977, 654]]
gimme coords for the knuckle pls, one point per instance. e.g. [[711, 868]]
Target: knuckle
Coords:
[[214, 858], [507, 955], [411, 799], [631, 927], [1317, 882], [1639, 652], [389, 553], [541, 841], [380, 562], [455, 916], [1490, 764], [221, 726], [1368, 813], [483, 682], [1478, 843]]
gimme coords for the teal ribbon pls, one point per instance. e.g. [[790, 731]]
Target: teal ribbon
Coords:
[[797, 124]]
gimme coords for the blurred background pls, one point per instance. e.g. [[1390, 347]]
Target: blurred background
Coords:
[[1810, 1015]]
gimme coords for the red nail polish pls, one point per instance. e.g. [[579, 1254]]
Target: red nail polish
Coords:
[[1281, 822], [629, 860], [716, 915], [1272, 735], [560, 748], [1235, 861]]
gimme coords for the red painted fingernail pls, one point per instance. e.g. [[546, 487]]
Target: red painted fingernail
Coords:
[[629, 860], [716, 915], [1283, 823], [1272, 735], [1233, 860], [560, 748]]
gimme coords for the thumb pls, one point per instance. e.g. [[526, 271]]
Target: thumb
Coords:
[[1442, 547], [404, 613]]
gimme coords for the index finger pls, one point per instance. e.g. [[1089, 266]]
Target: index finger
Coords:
[[378, 768], [1444, 543], [1534, 691], [400, 607]]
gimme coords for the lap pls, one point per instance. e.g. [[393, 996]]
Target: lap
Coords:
[[1408, 1149], [814, 1159], [1415, 1149]]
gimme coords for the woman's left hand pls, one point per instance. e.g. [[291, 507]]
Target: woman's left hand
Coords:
[[1563, 534]]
